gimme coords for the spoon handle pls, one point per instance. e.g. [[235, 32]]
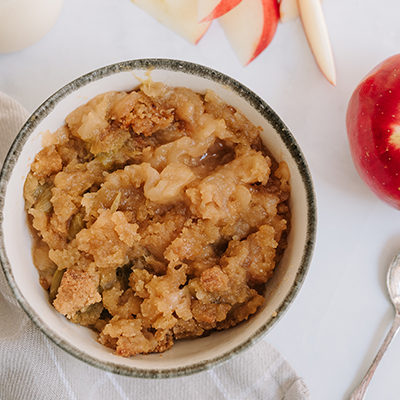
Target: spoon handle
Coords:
[[362, 388]]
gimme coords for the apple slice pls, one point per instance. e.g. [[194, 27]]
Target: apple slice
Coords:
[[288, 10], [212, 9], [314, 25], [178, 15], [250, 27]]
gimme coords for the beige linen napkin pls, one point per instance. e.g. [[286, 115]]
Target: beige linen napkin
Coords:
[[32, 367]]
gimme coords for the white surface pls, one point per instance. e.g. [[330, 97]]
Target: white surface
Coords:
[[332, 332]]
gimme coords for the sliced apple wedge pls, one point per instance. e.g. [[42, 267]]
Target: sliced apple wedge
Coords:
[[178, 15], [316, 31], [212, 9], [250, 27], [288, 10]]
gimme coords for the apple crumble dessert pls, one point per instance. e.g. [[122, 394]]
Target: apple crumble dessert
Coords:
[[157, 215]]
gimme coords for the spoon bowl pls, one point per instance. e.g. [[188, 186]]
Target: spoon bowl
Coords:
[[393, 281]]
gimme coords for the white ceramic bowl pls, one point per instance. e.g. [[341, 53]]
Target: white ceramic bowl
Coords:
[[186, 356]]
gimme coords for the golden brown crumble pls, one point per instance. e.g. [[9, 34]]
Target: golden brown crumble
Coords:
[[158, 215]]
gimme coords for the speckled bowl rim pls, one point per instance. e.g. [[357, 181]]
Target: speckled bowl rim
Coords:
[[251, 98]]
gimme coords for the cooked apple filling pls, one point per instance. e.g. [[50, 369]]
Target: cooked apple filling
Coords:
[[157, 215]]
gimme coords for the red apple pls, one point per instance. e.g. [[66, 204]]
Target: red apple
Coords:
[[178, 15], [250, 27], [212, 9], [373, 127]]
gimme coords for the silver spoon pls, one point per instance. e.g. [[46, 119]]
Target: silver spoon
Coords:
[[393, 284]]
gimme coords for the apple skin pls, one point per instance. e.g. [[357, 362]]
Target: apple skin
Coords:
[[271, 19], [373, 128], [250, 27], [221, 8]]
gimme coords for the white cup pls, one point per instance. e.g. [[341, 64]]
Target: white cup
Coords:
[[24, 22]]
